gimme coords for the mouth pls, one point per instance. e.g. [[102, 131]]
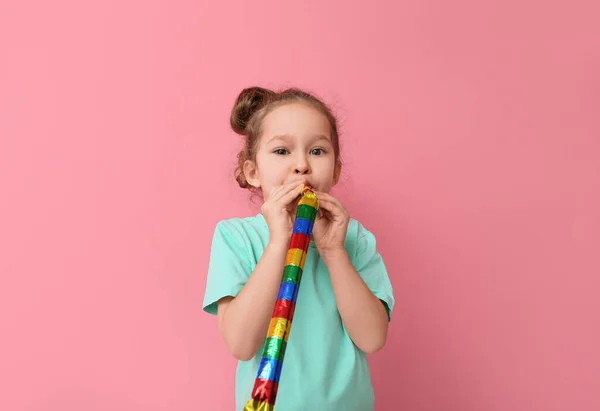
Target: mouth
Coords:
[[306, 183]]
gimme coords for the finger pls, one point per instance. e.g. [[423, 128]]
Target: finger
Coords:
[[275, 192], [320, 214], [328, 197], [286, 189], [327, 206], [291, 195], [333, 208], [329, 201]]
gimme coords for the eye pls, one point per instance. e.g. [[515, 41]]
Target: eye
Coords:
[[281, 151], [317, 151]]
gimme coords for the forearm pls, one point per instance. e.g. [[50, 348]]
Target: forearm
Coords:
[[246, 320], [363, 314]]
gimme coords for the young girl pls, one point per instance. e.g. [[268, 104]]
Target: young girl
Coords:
[[345, 298]]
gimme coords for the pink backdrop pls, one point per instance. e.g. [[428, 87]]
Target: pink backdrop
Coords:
[[471, 146]]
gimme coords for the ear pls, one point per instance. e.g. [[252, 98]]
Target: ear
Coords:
[[336, 172], [251, 173]]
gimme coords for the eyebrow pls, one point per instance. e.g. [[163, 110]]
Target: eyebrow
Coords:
[[316, 137], [319, 137]]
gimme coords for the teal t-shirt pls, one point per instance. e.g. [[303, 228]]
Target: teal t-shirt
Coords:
[[322, 369]]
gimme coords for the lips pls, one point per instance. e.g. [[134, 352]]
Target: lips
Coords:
[[306, 182]]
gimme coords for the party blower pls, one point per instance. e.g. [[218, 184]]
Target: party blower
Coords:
[[264, 392]]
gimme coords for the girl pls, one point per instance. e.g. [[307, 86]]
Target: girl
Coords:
[[345, 299]]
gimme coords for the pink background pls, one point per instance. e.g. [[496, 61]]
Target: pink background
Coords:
[[471, 140]]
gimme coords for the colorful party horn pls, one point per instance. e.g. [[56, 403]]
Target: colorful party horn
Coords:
[[269, 370]]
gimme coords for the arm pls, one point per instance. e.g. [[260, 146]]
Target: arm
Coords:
[[244, 320], [363, 314]]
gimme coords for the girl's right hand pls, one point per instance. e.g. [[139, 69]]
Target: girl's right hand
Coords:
[[277, 211]]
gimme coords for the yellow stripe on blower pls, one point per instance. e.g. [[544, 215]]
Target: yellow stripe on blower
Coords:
[[254, 405], [295, 256], [279, 328]]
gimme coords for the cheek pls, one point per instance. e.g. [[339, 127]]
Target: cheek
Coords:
[[271, 175], [274, 169], [328, 171]]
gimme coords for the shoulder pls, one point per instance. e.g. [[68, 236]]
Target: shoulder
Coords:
[[241, 226], [357, 231], [241, 235], [358, 237]]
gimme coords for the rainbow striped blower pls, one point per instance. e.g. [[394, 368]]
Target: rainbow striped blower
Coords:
[[269, 370]]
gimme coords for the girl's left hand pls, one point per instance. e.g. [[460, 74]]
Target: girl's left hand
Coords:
[[331, 224]]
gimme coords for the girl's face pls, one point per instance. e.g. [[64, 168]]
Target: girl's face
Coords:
[[295, 145]]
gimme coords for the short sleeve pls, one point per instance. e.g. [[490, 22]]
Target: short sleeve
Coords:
[[229, 266], [370, 266]]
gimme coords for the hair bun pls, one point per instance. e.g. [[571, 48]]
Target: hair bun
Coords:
[[248, 102]]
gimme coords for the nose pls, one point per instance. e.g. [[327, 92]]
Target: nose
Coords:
[[302, 166]]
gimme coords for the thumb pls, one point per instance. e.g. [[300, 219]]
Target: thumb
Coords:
[[319, 216]]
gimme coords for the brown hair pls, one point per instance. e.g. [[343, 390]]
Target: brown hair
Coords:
[[250, 109]]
